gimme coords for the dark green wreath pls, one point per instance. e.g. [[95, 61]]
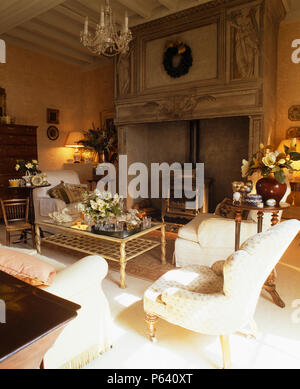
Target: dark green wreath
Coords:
[[185, 63]]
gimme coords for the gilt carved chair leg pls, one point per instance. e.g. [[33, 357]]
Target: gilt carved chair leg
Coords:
[[151, 321], [224, 339]]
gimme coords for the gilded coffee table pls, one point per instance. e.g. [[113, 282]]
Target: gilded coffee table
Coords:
[[111, 248]]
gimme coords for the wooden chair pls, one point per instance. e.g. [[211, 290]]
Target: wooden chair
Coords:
[[15, 213]]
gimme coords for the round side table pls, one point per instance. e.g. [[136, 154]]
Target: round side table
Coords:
[[269, 285]]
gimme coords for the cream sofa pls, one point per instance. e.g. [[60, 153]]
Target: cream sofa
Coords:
[[44, 204], [209, 238], [89, 334]]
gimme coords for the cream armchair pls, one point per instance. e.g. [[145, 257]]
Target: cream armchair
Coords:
[[222, 299], [89, 334], [208, 238], [43, 203]]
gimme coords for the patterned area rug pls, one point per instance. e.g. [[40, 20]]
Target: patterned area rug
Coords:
[[148, 266]]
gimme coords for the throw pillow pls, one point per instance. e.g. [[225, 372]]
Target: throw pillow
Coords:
[[75, 192], [224, 209], [26, 267], [59, 192]]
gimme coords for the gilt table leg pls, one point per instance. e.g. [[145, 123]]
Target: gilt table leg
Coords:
[[38, 239], [270, 285], [260, 216], [163, 244], [238, 220], [122, 265]]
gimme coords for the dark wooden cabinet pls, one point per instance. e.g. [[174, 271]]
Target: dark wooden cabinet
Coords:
[[16, 142]]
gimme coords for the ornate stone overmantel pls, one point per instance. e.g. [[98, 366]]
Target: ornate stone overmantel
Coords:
[[234, 47]]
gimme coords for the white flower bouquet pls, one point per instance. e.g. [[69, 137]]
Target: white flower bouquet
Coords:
[[31, 166], [101, 205], [269, 162]]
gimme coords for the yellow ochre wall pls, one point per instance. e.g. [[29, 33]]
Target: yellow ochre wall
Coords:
[[288, 79], [35, 82]]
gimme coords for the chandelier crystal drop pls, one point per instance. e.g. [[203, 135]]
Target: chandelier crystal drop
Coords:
[[106, 40]]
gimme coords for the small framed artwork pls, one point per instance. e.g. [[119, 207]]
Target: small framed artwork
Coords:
[[52, 116], [107, 119], [52, 133]]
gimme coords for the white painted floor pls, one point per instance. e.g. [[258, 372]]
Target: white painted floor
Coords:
[[277, 345]]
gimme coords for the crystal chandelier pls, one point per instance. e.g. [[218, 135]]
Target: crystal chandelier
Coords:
[[106, 40]]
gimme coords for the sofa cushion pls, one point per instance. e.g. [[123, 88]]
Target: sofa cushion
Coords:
[[27, 268], [59, 192], [75, 192], [190, 230]]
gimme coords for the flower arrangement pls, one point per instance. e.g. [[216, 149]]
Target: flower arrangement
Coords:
[[269, 162], [101, 204], [31, 166]]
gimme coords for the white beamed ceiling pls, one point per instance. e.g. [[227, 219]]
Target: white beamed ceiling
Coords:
[[52, 27]]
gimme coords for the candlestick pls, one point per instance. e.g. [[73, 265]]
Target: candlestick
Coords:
[[102, 17], [126, 22], [86, 25]]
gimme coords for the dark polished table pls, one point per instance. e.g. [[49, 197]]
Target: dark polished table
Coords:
[[31, 323], [269, 285]]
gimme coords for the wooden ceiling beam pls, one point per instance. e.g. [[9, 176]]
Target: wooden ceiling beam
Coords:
[[138, 6], [171, 5], [23, 10]]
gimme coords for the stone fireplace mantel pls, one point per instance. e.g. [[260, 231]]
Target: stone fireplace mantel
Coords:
[[234, 48]]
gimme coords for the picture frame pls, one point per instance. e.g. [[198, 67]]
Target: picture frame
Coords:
[[52, 133], [107, 118], [52, 116]]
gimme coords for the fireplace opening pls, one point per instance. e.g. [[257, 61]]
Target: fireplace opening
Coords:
[[219, 143]]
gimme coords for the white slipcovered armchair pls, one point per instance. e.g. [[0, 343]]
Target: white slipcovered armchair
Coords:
[[43, 203], [89, 334], [209, 237], [222, 299]]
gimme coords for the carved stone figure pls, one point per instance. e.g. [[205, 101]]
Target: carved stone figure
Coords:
[[179, 106], [124, 74], [246, 41]]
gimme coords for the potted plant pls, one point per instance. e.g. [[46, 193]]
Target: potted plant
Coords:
[[272, 165], [102, 141]]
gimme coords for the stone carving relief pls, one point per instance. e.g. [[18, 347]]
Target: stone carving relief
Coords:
[[246, 42], [179, 106], [124, 73]]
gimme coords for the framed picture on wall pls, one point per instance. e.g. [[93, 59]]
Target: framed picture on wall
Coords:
[[52, 116], [107, 119]]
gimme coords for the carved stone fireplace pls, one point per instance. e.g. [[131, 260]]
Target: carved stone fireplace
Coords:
[[230, 88]]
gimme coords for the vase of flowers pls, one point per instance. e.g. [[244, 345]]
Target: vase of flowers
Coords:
[[101, 206], [272, 165], [103, 142], [28, 168]]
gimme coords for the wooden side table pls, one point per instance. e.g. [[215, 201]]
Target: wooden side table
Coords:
[[269, 285]]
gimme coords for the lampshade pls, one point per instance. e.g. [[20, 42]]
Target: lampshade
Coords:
[[73, 138], [296, 164]]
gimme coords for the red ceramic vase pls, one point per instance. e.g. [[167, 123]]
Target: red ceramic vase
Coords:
[[270, 188]]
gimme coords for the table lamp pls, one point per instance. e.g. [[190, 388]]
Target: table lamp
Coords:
[[72, 142]]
